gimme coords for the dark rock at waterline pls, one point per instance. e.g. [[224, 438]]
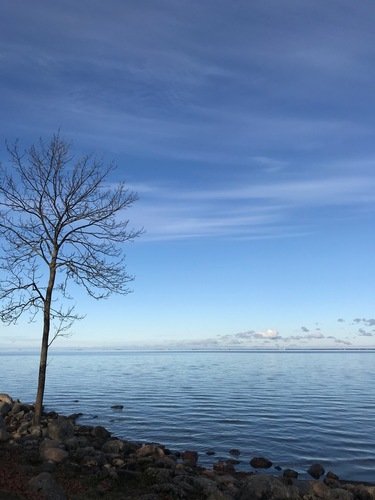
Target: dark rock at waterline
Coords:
[[61, 429], [331, 480], [233, 461], [332, 475], [290, 473], [224, 466], [190, 457], [316, 470], [260, 463], [234, 452], [100, 432], [75, 416], [117, 407]]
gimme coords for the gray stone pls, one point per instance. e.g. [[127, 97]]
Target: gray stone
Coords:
[[36, 430], [76, 442], [24, 427], [47, 486], [115, 446], [61, 429], [49, 443], [56, 455], [261, 487], [147, 450], [156, 475]]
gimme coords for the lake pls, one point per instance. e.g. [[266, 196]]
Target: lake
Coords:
[[294, 408]]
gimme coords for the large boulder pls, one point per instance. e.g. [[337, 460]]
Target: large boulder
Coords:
[[262, 487], [61, 429]]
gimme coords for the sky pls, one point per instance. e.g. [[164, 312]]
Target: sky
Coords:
[[247, 129]]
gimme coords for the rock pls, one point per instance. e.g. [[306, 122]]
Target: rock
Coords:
[[190, 458], [79, 453], [114, 446], [208, 486], [56, 455], [147, 450], [61, 429], [118, 462], [360, 492], [224, 467], [36, 431], [260, 463], [74, 442], [4, 435], [316, 470], [262, 487], [155, 475], [4, 408], [332, 480], [290, 473], [45, 485], [5, 398], [341, 494], [48, 443], [234, 452], [100, 432], [320, 489], [24, 427], [74, 416], [332, 475]]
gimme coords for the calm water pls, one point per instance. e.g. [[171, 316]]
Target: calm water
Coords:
[[294, 408]]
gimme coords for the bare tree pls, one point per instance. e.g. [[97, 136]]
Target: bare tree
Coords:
[[60, 222]]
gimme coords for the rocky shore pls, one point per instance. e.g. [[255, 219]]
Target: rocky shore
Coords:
[[61, 460]]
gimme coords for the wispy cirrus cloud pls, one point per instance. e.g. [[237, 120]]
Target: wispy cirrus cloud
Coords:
[[247, 210]]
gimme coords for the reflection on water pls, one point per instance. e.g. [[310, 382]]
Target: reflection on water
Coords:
[[294, 408]]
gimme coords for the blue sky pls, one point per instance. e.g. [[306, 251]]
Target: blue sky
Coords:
[[247, 128]]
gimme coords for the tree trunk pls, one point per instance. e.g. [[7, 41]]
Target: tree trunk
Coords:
[[44, 347]]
